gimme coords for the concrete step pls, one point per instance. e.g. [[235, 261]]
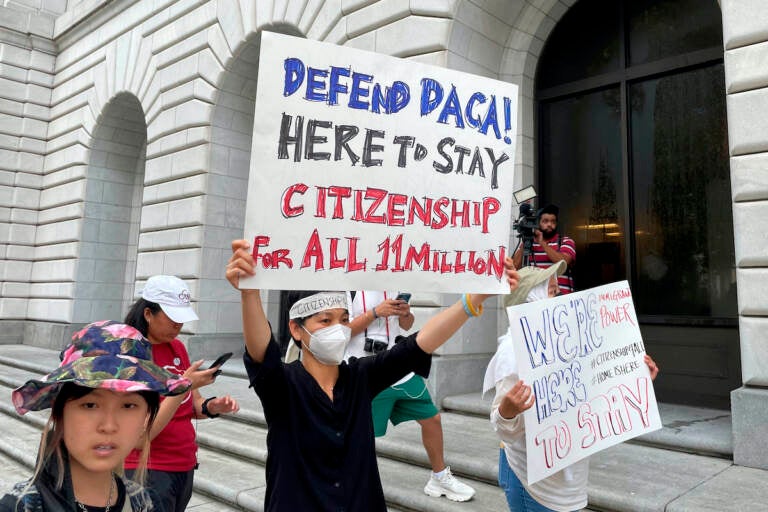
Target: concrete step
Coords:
[[231, 471], [689, 429], [19, 441], [629, 477]]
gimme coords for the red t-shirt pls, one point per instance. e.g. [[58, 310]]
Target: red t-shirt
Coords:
[[174, 448]]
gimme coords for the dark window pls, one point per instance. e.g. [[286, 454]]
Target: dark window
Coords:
[[598, 50], [633, 147], [682, 195], [636, 155], [581, 138], [661, 28]]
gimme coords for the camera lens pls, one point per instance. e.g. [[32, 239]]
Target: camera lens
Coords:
[[374, 346]]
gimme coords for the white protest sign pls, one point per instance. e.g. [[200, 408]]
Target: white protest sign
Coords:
[[370, 172], [582, 354]]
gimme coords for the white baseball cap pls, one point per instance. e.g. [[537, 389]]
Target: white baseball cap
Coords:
[[172, 294]]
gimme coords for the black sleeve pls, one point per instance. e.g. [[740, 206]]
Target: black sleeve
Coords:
[[386, 368], [268, 377], [11, 503]]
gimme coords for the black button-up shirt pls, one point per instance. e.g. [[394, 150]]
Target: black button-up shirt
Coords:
[[321, 453]]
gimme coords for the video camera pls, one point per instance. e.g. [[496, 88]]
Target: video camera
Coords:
[[527, 221]]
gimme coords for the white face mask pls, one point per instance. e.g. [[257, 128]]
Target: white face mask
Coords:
[[328, 344]]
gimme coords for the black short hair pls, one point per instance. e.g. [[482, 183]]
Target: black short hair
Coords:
[[135, 316], [550, 209]]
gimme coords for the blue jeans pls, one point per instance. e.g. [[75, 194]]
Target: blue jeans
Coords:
[[518, 498]]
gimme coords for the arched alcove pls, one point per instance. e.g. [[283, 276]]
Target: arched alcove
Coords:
[[111, 212], [231, 138]]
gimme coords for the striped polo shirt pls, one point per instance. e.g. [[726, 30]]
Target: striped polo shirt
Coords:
[[541, 260]]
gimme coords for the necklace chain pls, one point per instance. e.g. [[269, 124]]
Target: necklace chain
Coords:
[[109, 498]]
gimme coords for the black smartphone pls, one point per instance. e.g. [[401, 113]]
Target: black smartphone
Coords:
[[220, 361], [403, 296]]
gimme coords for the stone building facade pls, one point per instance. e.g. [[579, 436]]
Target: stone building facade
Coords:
[[125, 136]]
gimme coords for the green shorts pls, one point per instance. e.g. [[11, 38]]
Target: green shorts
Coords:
[[409, 400]]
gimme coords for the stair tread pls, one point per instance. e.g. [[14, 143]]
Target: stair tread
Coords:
[[626, 477], [687, 428]]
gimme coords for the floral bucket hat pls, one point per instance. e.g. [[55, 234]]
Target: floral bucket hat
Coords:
[[107, 355]]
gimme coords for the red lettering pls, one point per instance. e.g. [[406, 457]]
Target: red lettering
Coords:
[[395, 210], [314, 251], [320, 207], [336, 262], [384, 250], [358, 210], [378, 195], [458, 266], [442, 221], [461, 214], [491, 205], [618, 315], [609, 414], [422, 212], [421, 257], [288, 210], [555, 441], [339, 193], [445, 267], [271, 259], [353, 264], [496, 263]]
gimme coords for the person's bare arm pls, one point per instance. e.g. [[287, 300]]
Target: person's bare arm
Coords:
[[256, 330], [169, 405], [443, 325], [517, 258], [361, 322]]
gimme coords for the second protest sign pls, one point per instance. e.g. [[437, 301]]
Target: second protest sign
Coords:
[[582, 354]]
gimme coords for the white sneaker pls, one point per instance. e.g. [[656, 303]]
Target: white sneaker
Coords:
[[449, 486]]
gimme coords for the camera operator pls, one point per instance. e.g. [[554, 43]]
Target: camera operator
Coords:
[[550, 247], [376, 321]]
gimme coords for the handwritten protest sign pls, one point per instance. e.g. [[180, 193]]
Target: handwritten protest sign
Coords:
[[582, 354], [368, 169]]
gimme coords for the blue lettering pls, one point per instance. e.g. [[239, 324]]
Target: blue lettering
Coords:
[[359, 91], [294, 75], [563, 334], [334, 87], [541, 350], [473, 120], [491, 120], [586, 321], [378, 100], [398, 96], [315, 82], [431, 95], [452, 107]]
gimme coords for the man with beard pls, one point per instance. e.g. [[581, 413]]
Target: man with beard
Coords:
[[550, 247]]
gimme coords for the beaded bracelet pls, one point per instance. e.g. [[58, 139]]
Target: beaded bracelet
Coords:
[[469, 309]]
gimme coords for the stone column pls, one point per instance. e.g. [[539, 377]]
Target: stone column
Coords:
[[27, 58], [745, 36]]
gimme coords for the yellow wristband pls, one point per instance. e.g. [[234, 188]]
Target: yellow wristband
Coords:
[[471, 307]]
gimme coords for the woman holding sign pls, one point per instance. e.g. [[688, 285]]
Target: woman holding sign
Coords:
[[566, 490], [321, 452]]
